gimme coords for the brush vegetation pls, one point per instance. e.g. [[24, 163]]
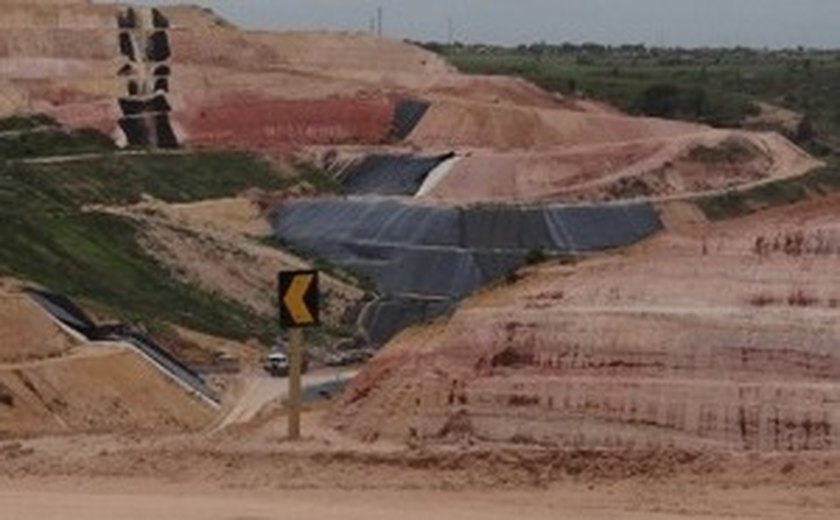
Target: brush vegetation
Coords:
[[50, 237]]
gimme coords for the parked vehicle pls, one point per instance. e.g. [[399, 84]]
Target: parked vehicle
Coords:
[[277, 364], [348, 357]]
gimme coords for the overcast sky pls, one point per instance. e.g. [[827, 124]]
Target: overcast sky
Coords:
[[756, 23]]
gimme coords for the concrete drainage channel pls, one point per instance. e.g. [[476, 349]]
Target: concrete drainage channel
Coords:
[[73, 320]]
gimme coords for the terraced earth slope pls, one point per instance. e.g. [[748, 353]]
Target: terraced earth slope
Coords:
[[52, 382], [456, 182], [720, 336], [182, 76]]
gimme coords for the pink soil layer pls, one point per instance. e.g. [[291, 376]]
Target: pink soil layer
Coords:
[[98, 115], [245, 121], [721, 336]]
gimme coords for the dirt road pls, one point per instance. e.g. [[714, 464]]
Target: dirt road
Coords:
[[143, 500], [260, 390]]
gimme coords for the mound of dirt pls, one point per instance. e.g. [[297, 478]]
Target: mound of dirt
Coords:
[[723, 337], [681, 166], [237, 215], [96, 389], [350, 53], [468, 124], [211, 244], [26, 332]]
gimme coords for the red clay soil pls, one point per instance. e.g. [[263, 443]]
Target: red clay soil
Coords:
[[721, 337], [246, 120], [99, 115], [281, 92]]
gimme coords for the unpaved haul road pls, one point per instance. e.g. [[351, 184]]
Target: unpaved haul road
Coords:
[[154, 501], [261, 390]]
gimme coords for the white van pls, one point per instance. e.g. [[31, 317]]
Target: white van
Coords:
[[277, 364]]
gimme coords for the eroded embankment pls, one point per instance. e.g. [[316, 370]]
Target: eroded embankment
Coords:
[[54, 380], [723, 337]]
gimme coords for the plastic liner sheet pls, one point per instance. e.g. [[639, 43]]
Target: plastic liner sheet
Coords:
[[162, 85], [407, 116], [157, 48], [127, 46], [389, 174], [386, 317], [135, 130], [136, 107], [170, 364], [126, 70], [414, 253], [158, 104], [132, 107], [64, 310], [166, 137], [159, 21], [127, 19]]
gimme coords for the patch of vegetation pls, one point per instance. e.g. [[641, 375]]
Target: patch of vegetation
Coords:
[[320, 180], [351, 278], [729, 151], [673, 101], [49, 238], [52, 143], [24, 123], [629, 188], [536, 256], [785, 192], [718, 86]]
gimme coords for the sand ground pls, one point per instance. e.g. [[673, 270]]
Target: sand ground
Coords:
[[251, 473], [152, 500]]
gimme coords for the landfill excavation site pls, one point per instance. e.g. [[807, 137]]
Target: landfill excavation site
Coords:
[[534, 304]]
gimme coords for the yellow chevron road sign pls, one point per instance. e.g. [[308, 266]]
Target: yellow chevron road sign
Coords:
[[299, 299]]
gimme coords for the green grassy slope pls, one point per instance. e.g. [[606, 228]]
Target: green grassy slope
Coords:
[[47, 237]]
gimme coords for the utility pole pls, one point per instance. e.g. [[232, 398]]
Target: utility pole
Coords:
[[380, 13], [450, 31]]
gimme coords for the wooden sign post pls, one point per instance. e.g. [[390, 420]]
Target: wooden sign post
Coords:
[[299, 309]]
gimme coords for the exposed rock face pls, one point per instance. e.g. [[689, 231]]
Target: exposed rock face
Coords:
[[720, 337]]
